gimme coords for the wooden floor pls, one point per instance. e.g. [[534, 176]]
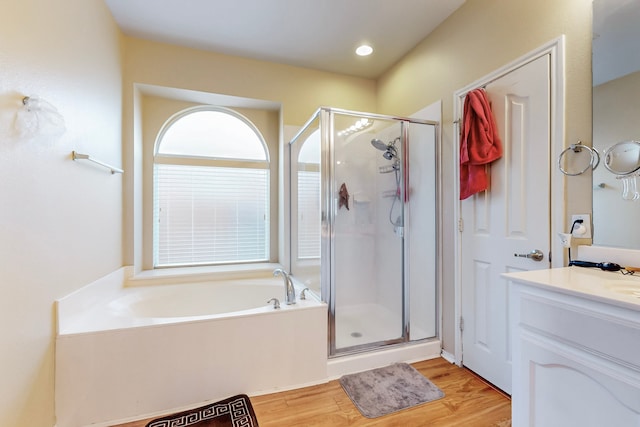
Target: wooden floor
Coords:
[[468, 402]]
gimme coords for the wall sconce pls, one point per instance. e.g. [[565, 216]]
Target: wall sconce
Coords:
[[37, 117]]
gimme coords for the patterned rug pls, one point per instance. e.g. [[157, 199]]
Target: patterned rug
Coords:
[[389, 389], [235, 411]]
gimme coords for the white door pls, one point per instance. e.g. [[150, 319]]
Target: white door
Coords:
[[511, 219]]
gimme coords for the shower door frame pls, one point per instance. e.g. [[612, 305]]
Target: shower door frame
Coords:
[[328, 241], [329, 209], [328, 202]]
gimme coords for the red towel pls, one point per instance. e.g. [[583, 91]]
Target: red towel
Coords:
[[479, 143]]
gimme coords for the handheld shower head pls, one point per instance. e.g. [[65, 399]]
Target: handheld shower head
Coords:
[[390, 153]]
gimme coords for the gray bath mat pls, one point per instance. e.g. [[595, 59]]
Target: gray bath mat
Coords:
[[385, 390]]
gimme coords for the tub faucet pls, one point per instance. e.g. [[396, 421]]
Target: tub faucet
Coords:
[[290, 292]]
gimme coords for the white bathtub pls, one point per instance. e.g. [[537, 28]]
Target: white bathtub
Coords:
[[194, 300], [123, 352], [128, 352]]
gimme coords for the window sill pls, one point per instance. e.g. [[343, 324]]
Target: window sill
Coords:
[[175, 275]]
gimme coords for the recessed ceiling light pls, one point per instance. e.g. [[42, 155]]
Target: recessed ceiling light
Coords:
[[364, 50]]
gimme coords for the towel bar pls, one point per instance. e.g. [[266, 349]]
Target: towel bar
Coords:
[[577, 148], [78, 156]]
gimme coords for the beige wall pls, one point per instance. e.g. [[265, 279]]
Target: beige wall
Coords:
[[300, 91], [297, 91], [61, 224], [60, 220], [482, 36]]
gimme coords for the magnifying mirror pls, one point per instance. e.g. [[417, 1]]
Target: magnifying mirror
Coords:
[[623, 158]]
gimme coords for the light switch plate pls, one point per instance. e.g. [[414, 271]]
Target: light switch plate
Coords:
[[582, 231]]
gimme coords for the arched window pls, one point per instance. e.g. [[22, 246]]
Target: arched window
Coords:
[[210, 190]]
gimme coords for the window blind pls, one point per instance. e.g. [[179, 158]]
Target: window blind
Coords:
[[210, 215], [309, 221]]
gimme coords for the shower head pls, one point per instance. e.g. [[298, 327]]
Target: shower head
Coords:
[[390, 151], [379, 144]]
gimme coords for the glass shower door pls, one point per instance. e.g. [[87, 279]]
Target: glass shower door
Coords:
[[364, 225], [367, 231]]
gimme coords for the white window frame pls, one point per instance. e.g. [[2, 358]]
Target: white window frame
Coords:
[[195, 160]]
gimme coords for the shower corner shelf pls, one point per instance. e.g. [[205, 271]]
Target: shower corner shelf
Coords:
[[361, 199]]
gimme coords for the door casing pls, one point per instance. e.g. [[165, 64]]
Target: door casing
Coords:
[[555, 49]]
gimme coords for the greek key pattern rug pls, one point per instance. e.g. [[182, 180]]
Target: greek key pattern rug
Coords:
[[235, 411]]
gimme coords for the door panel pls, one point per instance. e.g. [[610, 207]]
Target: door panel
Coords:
[[509, 219]]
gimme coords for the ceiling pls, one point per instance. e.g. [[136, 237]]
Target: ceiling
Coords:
[[317, 34]]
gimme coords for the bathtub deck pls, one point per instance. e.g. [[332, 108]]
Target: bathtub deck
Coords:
[[468, 401]]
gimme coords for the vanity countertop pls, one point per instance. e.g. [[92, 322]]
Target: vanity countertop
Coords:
[[604, 286]]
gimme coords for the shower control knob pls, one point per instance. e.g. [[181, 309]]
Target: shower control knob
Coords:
[[276, 303], [535, 255]]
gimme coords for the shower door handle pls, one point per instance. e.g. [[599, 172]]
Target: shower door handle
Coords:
[[535, 255]]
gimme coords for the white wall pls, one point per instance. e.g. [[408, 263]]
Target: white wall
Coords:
[[60, 221]]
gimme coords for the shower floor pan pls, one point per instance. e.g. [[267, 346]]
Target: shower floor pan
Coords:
[[367, 323]]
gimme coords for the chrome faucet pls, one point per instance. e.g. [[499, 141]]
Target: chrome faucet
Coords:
[[290, 292], [276, 303]]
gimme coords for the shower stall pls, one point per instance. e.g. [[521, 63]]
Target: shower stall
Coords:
[[364, 225]]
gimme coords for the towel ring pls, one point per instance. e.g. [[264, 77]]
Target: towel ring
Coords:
[[577, 148]]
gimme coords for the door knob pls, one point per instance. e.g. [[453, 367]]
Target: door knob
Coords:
[[535, 255]]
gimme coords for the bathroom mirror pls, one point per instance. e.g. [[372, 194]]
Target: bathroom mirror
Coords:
[[616, 120]]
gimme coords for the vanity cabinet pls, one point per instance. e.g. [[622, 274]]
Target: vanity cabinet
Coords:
[[576, 349]]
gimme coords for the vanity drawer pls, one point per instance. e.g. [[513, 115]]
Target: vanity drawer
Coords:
[[609, 332]]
